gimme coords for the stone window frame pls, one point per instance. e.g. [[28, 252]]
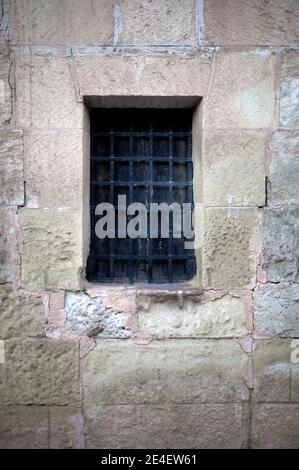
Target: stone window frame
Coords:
[[231, 131], [151, 102]]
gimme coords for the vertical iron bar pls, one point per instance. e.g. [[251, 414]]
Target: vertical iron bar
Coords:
[[150, 200], [170, 201], [131, 196], [111, 198]]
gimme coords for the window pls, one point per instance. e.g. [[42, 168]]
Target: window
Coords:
[[145, 155]]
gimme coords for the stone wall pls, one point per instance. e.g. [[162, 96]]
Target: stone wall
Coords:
[[211, 364]]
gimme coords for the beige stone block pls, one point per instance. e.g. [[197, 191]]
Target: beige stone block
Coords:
[[66, 428], [5, 90], [22, 84], [275, 426], [230, 238], [234, 168], [185, 426], [54, 169], [9, 240], [242, 92], [145, 75], [61, 22], [283, 179], [275, 376], [219, 318], [289, 88], [245, 22], [20, 315], [177, 371], [39, 372], [51, 248], [53, 94], [24, 427], [11, 167], [156, 22]]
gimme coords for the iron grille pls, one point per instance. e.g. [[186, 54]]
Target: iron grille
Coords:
[[147, 156]]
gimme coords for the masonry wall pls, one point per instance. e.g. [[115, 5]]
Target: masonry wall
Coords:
[[209, 364]]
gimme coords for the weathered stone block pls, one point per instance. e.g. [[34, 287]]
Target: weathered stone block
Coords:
[[40, 427], [275, 376], [24, 427], [182, 371], [167, 22], [39, 372], [280, 247], [224, 317], [5, 90], [53, 98], [159, 75], [54, 169], [9, 254], [66, 428], [234, 168], [20, 315], [52, 248], [289, 88], [275, 426], [283, 185], [90, 316], [276, 310], [229, 247], [56, 22], [11, 167], [185, 426], [242, 91], [245, 22]]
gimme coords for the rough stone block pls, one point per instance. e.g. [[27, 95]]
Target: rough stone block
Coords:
[[186, 426], [90, 316], [245, 22], [24, 427], [229, 247], [39, 372], [159, 75], [54, 169], [53, 98], [276, 310], [66, 428], [52, 248], [180, 371], [11, 167], [289, 88], [283, 180], [224, 317], [5, 90], [242, 91], [9, 253], [57, 22], [167, 22], [275, 426], [234, 168], [280, 248], [275, 376], [20, 315]]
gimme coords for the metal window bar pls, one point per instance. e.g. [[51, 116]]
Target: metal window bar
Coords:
[[153, 164]]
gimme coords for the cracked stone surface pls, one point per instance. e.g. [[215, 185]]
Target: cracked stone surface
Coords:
[[280, 244], [277, 310], [90, 316]]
